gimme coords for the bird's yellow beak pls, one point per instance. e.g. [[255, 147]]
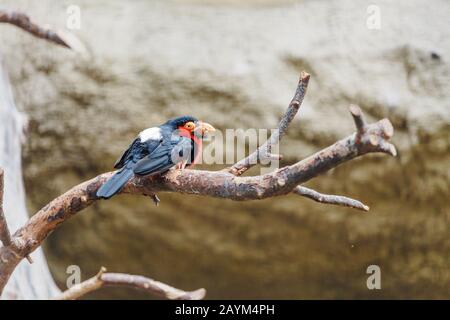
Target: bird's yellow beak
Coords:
[[204, 128]]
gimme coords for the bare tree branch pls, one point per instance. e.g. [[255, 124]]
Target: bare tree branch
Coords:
[[220, 184], [5, 235], [358, 118], [329, 199], [264, 151], [156, 288], [376, 140], [22, 21], [59, 37]]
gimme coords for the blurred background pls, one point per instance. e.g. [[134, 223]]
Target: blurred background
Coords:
[[235, 64]]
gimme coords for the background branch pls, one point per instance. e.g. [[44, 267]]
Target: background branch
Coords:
[[156, 288], [22, 21], [59, 37]]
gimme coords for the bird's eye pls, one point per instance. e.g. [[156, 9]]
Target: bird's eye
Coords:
[[190, 125]]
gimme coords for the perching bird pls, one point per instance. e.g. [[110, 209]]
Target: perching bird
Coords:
[[175, 143]]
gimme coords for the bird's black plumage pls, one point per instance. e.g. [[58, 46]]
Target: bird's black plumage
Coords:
[[165, 156], [179, 121], [154, 151]]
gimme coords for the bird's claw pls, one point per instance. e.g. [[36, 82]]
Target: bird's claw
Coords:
[[155, 199], [182, 165]]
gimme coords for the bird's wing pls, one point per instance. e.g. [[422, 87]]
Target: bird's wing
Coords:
[[126, 155], [136, 149], [165, 156]]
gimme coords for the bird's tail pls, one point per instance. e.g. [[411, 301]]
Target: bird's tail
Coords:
[[115, 183]]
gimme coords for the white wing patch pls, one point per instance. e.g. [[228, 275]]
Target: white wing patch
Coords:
[[150, 134]]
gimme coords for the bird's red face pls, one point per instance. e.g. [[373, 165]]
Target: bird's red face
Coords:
[[197, 129]]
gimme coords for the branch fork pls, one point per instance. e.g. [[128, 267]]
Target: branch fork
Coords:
[[374, 139]]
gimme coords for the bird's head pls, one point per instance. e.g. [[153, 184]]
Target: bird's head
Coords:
[[191, 126]]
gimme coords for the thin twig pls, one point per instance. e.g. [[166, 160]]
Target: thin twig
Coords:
[[358, 117], [330, 199], [151, 286], [264, 151], [22, 21]]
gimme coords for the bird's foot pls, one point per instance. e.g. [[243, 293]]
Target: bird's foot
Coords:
[[182, 165], [155, 199]]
